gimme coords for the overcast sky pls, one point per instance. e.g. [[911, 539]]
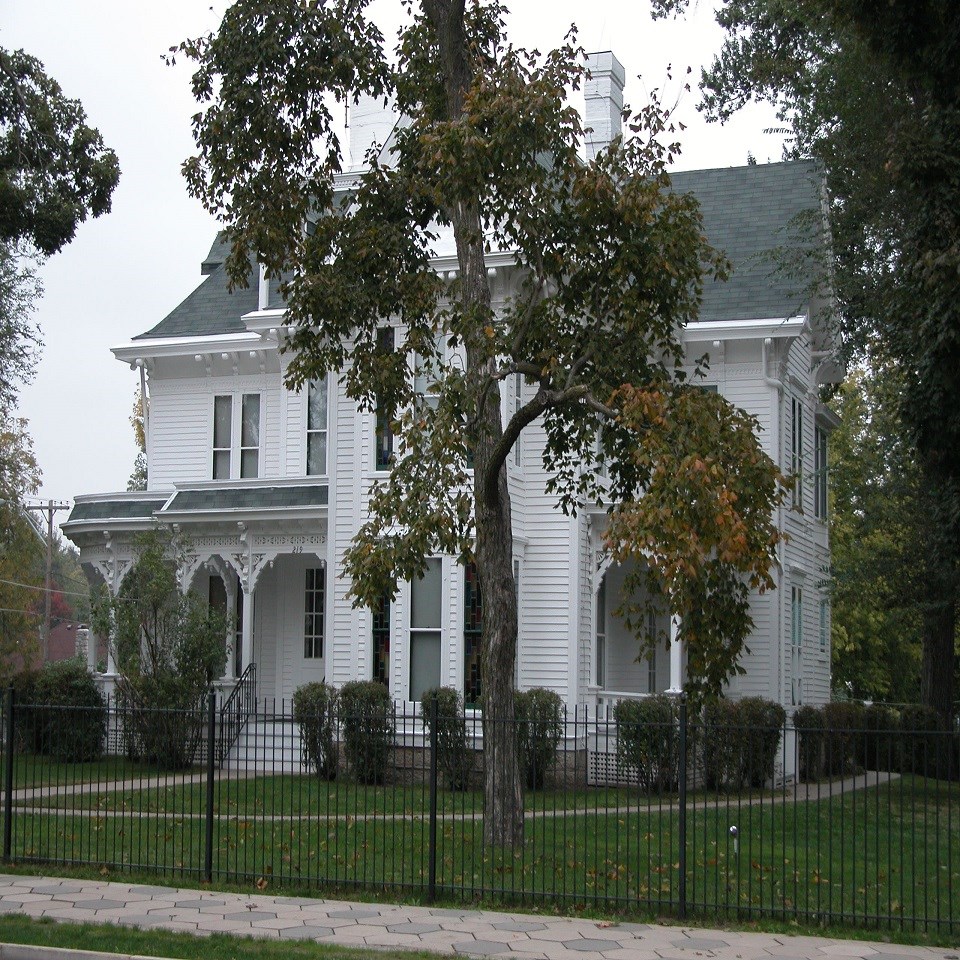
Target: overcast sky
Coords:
[[125, 271]]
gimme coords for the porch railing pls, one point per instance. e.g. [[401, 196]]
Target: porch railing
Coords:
[[235, 712]]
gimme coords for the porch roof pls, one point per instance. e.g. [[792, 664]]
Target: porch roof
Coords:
[[88, 510], [209, 499]]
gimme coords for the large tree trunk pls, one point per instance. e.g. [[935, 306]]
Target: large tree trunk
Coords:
[[936, 673], [503, 796]]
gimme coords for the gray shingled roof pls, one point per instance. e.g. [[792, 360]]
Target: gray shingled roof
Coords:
[[250, 498], [748, 213], [115, 510]]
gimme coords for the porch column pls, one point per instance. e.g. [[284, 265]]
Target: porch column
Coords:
[[246, 641], [93, 641], [676, 658]]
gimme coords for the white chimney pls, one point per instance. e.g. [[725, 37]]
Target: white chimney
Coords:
[[603, 95], [371, 121]]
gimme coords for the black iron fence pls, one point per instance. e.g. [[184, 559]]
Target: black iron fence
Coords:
[[680, 817]]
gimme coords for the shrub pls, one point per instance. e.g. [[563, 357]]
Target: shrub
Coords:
[[452, 757], [63, 714], [880, 745], [808, 722], [539, 714], [926, 744], [843, 728], [760, 726], [366, 712], [314, 709], [162, 722], [720, 750], [647, 740]]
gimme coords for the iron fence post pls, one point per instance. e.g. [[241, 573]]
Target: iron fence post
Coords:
[[8, 742], [211, 744], [432, 864], [682, 803]]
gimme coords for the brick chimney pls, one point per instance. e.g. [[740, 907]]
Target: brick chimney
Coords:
[[603, 95]]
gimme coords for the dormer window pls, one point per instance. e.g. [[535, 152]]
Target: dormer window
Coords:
[[236, 453]]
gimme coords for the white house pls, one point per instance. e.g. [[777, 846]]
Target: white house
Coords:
[[269, 484]]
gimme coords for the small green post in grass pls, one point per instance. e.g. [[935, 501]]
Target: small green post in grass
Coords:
[[8, 775]]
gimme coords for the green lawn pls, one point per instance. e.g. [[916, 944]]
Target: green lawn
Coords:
[[30, 770], [874, 857]]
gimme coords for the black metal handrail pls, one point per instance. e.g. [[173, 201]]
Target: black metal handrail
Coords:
[[235, 711]]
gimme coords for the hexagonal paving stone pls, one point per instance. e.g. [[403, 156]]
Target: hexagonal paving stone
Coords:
[[250, 915], [449, 914], [483, 948], [519, 926], [55, 888], [304, 933], [196, 903], [699, 943], [155, 891], [414, 928], [99, 904], [594, 946], [352, 914], [892, 956]]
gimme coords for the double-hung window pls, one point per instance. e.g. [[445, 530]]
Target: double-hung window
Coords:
[[425, 630], [821, 473], [796, 451], [384, 433], [236, 436], [472, 633], [317, 428]]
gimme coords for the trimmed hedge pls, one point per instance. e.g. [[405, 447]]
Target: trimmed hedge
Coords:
[[314, 709], [762, 723], [648, 741], [366, 712], [739, 742], [808, 722], [539, 714], [843, 729], [63, 713], [927, 749], [880, 747], [453, 758]]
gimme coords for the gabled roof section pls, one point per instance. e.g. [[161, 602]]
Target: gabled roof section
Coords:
[[211, 308], [762, 216], [748, 212]]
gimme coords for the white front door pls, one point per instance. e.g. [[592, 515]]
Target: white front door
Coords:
[[302, 622]]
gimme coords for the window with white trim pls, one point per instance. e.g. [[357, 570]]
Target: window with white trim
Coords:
[[236, 453], [314, 593], [796, 451], [425, 630], [383, 441], [821, 473], [381, 640], [472, 633], [796, 646], [317, 428], [652, 655], [601, 634]]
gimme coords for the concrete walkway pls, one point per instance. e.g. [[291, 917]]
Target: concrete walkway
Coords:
[[471, 933]]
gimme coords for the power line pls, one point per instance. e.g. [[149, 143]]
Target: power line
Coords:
[[30, 586]]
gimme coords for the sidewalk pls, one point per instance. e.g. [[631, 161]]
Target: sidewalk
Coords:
[[471, 933]]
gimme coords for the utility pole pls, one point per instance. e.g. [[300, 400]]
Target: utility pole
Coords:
[[49, 508]]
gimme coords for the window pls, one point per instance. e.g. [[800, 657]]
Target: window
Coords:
[[821, 472], [601, 638], [427, 371], [317, 428], [384, 434], [652, 656], [824, 624], [796, 451], [314, 592], [472, 631], [381, 641], [425, 632], [227, 453], [517, 404], [796, 646]]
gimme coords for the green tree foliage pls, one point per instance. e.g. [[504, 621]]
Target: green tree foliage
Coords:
[[54, 169], [138, 479], [611, 262], [872, 90], [880, 531], [168, 646]]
